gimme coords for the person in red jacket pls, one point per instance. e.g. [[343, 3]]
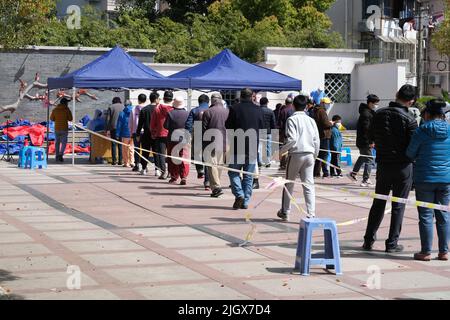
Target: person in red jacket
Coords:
[[159, 133]]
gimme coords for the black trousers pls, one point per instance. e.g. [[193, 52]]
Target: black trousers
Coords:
[[336, 161], [398, 178], [324, 145], [160, 147], [115, 149], [147, 144]]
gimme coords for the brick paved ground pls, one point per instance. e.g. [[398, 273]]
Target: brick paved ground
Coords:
[[136, 237]]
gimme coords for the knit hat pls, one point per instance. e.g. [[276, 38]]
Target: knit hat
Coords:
[[435, 106], [178, 103]]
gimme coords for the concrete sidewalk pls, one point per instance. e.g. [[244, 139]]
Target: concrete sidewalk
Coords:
[[137, 237]]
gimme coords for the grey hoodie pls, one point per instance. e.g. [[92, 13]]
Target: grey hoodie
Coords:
[[302, 135]]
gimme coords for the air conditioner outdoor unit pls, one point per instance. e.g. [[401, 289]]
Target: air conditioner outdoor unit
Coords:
[[434, 79]]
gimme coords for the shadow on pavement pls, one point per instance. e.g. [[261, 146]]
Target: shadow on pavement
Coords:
[[4, 294]]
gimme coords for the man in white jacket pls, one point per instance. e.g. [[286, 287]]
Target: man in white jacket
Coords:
[[302, 145]]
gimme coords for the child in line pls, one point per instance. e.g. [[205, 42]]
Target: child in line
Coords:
[[336, 147]]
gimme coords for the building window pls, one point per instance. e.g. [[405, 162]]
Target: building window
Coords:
[[337, 87]]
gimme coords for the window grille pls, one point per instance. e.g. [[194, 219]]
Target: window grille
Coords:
[[337, 87]]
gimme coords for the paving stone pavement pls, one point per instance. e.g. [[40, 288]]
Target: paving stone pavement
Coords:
[[136, 237]]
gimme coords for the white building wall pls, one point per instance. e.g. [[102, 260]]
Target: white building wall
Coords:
[[310, 66], [384, 80]]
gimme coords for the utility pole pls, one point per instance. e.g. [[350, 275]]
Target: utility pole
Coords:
[[420, 48]]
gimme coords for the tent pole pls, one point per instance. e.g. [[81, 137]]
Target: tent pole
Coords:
[[48, 119], [73, 126], [189, 102]]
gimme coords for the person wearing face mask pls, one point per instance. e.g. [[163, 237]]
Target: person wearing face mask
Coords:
[[391, 130], [363, 141], [430, 148]]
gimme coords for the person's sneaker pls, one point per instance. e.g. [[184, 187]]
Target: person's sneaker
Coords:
[[339, 176], [244, 207], [216, 193], [367, 246], [443, 256], [61, 159], [325, 176], [352, 176], [283, 215], [135, 169], [396, 249], [200, 175], [310, 216], [172, 180], [369, 182], [163, 176], [268, 165], [364, 184], [422, 256], [143, 172], [238, 203], [183, 182], [157, 173], [255, 184]]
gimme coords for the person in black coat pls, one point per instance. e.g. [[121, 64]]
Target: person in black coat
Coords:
[[265, 152], [144, 124], [244, 120], [363, 141], [391, 130]]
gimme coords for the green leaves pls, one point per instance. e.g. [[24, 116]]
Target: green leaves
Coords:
[[190, 31], [441, 38]]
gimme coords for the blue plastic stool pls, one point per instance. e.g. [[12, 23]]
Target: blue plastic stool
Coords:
[[35, 158], [22, 157], [348, 156], [331, 258]]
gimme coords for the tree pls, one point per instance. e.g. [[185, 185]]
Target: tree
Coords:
[[441, 38], [179, 8], [145, 8], [21, 20]]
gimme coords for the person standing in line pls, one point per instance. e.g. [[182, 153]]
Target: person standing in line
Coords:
[[430, 149], [111, 126], [124, 134], [269, 125], [391, 131], [324, 124], [363, 140], [176, 120], [194, 116], [302, 144], [61, 115], [214, 119], [145, 139], [286, 111], [137, 136], [336, 147], [160, 134], [247, 117]]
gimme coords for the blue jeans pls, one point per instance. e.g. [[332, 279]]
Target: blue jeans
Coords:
[[242, 188], [434, 193]]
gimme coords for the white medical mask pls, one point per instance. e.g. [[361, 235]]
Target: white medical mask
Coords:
[[376, 106]]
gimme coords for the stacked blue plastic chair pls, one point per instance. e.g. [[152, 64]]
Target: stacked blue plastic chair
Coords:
[[347, 157], [35, 158], [22, 157], [331, 258]]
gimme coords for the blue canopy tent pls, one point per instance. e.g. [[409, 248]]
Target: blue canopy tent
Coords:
[[115, 69], [226, 71]]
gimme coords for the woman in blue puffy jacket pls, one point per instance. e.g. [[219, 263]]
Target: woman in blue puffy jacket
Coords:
[[430, 148], [123, 134]]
